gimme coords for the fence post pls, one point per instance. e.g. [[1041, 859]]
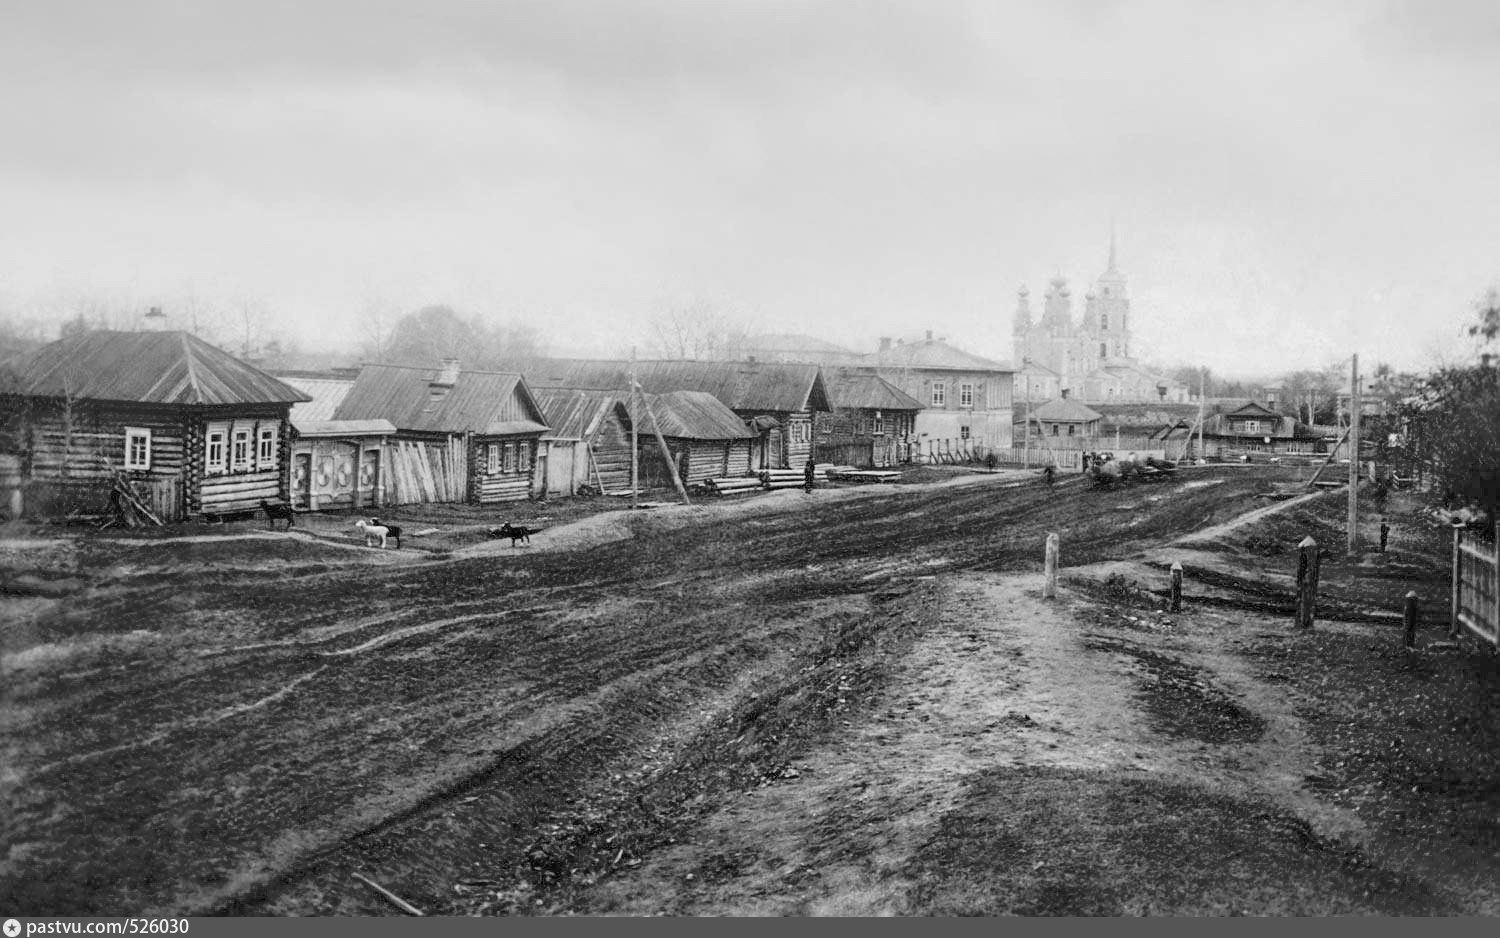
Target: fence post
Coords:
[[1177, 587], [1385, 532], [1409, 619], [1307, 581], [1458, 579], [1049, 585]]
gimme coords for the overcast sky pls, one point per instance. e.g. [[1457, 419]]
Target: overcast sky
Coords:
[[1290, 181]]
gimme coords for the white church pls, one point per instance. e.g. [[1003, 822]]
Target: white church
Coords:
[[1089, 360]]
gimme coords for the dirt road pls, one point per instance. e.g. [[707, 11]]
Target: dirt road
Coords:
[[783, 705]]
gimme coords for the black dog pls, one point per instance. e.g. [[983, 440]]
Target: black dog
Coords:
[[516, 533], [390, 530], [278, 512]]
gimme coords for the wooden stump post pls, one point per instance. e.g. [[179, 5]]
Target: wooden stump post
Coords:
[[1409, 619], [1176, 587], [1049, 585], [1385, 533], [1458, 580], [1307, 581]]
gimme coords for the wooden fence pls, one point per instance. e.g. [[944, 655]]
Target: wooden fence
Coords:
[[1476, 586]]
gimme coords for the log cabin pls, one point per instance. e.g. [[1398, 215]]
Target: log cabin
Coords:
[[775, 400], [460, 436], [192, 430], [590, 440], [872, 424]]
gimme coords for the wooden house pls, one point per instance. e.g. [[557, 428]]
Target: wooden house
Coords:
[[460, 436], [1065, 422], [1241, 429], [872, 423], [775, 400], [589, 443], [706, 439], [193, 430], [335, 463]]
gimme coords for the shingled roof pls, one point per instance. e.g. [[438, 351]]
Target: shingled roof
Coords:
[[760, 386], [475, 403], [146, 368], [1065, 410], [871, 392]]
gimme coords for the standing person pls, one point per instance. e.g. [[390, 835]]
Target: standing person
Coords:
[[807, 474]]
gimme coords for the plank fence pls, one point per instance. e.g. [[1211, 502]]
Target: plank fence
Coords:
[[1476, 586]]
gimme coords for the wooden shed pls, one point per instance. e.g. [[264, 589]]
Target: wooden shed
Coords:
[[335, 463], [193, 430], [460, 436], [775, 400], [706, 438]]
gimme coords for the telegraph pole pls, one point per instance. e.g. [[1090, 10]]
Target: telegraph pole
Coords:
[[1202, 383], [1026, 450], [635, 444], [1354, 409]]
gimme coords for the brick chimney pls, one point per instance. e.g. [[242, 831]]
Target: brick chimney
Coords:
[[885, 343]]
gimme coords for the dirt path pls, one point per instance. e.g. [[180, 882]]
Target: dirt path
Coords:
[[1007, 680]]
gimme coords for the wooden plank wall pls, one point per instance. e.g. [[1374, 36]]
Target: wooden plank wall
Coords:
[[799, 443], [425, 470]]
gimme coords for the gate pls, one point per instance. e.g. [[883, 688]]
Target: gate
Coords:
[[1476, 586]]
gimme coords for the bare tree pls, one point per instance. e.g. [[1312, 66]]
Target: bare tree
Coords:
[[698, 330]]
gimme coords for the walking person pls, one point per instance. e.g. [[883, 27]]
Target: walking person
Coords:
[[807, 474]]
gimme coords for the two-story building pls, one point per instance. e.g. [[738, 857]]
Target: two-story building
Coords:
[[964, 397]]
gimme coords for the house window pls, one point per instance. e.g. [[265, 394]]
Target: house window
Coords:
[[137, 448], [963, 433], [213, 456], [939, 394], [510, 458], [1054, 429], [1071, 428], [240, 450], [1101, 349], [492, 459], [523, 457], [877, 426], [966, 395], [1252, 426], [265, 448], [1104, 321]]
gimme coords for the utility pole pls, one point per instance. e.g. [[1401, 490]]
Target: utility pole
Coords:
[[1202, 383], [635, 443], [1026, 451], [1354, 409]]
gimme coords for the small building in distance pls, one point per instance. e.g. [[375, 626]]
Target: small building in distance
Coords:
[[192, 430], [1066, 419]]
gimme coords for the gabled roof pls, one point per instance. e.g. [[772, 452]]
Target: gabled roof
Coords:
[[325, 396], [574, 414], [477, 402], [934, 353], [1034, 367], [868, 391], [1065, 410], [768, 386], [690, 415], [1252, 409], [146, 368]]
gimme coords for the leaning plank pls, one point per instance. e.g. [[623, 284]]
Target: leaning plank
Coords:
[[394, 899]]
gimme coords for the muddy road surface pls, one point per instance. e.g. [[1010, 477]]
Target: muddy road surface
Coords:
[[853, 701]]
